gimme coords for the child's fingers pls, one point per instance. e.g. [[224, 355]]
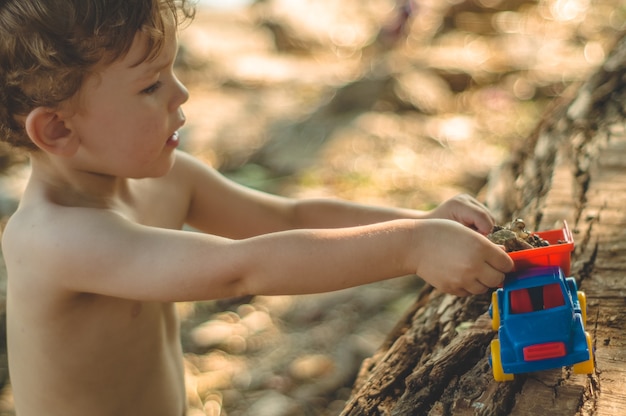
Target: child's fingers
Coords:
[[477, 288], [475, 215], [499, 260], [482, 222], [491, 278]]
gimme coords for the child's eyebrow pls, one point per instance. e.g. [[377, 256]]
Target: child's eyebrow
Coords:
[[148, 69], [155, 66]]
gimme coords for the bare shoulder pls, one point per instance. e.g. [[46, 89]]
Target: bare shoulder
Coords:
[[192, 175], [103, 252], [220, 206], [40, 236], [42, 224], [191, 170], [67, 250]]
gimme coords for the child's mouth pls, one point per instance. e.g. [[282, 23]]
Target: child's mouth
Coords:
[[173, 140]]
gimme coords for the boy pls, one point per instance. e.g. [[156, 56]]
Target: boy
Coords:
[[95, 252]]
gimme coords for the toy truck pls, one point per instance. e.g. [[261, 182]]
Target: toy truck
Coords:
[[540, 314]]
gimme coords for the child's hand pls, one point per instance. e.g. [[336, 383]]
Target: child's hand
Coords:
[[457, 260], [466, 210]]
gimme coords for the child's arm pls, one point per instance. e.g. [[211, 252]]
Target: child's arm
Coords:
[[255, 244], [103, 253], [221, 207]]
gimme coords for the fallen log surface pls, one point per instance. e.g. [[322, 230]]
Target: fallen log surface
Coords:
[[573, 168]]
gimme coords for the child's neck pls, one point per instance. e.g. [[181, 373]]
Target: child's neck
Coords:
[[71, 187]]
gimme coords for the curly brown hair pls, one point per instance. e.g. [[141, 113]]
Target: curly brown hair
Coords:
[[48, 47]]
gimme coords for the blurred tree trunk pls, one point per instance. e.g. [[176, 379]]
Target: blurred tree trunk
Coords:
[[573, 168]]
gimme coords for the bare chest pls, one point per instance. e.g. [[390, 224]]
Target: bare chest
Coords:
[[100, 353]]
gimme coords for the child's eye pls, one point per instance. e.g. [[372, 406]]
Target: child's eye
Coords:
[[152, 88]]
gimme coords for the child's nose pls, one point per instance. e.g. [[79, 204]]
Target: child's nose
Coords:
[[181, 95]]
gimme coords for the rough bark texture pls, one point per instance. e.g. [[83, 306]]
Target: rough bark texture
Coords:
[[572, 168]]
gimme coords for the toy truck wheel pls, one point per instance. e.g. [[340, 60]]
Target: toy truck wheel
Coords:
[[582, 299], [586, 367], [495, 312], [496, 363]]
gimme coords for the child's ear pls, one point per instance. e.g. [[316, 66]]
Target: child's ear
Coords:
[[49, 131]]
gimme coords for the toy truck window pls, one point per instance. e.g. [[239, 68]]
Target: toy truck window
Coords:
[[552, 296], [520, 301], [535, 299]]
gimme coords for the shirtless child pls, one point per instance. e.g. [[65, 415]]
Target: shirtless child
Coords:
[[95, 252]]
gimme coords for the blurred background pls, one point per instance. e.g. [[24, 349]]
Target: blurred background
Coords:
[[394, 102]]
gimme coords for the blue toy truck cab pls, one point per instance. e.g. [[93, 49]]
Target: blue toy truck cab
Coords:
[[540, 317]]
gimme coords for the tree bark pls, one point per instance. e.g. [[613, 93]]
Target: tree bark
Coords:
[[573, 168]]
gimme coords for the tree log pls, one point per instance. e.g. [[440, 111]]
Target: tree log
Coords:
[[573, 168]]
